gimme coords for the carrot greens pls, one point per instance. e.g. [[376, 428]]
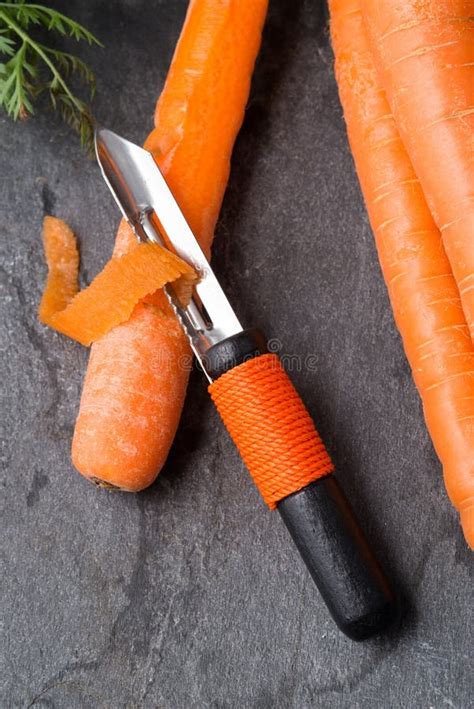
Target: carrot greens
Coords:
[[31, 68]]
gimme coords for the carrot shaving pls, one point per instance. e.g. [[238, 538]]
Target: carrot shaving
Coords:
[[62, 257], [110, 299]]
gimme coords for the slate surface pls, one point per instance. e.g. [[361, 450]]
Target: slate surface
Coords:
[[190, 594]]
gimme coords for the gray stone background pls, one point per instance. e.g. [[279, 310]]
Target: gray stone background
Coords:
[[191, 594]]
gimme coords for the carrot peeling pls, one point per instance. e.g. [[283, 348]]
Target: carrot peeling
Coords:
[[422, 289], [62, 258], [87, 315]]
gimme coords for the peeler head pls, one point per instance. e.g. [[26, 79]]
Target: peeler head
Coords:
[[147, 203]]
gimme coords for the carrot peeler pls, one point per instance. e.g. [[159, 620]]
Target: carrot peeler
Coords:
[[261, 409]]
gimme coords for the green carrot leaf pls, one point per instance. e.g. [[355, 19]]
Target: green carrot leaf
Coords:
[[32, 68]]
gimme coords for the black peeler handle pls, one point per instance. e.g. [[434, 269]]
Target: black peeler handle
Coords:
[[339, 558], [324, 528]]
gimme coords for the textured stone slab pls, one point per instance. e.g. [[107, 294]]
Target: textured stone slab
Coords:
[[191, 594]]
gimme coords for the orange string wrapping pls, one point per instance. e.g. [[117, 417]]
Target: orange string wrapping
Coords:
[[271, 427]]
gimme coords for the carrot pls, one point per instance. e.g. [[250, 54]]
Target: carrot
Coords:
[[422, 289], [137, 375], [424, 51], [111, 297]]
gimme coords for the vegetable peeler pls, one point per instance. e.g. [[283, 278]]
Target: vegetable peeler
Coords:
[[259, 405]]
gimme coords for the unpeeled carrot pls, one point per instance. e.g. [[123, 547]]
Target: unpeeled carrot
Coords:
[[421, 286], [137, 375], [424, 50]]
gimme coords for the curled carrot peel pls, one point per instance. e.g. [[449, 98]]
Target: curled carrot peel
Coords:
[[87, 315], [62, 257], [423, 292], [137, 374], [424, 52]]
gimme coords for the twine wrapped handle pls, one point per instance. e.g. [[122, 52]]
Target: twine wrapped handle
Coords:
[[271, 427]]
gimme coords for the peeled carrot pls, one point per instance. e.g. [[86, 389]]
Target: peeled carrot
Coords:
[[424, 50], [421, 286], [109, 300], [137, 375]]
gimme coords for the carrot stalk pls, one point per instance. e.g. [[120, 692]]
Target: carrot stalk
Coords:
[[424, 52], [136, 380], [421, 286]]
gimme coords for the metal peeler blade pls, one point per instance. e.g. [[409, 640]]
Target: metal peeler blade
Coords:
[[148, 205]]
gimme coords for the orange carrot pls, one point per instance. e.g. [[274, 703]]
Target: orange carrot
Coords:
[[137, 375], [422, 289], [424, 51], [111, 297]]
